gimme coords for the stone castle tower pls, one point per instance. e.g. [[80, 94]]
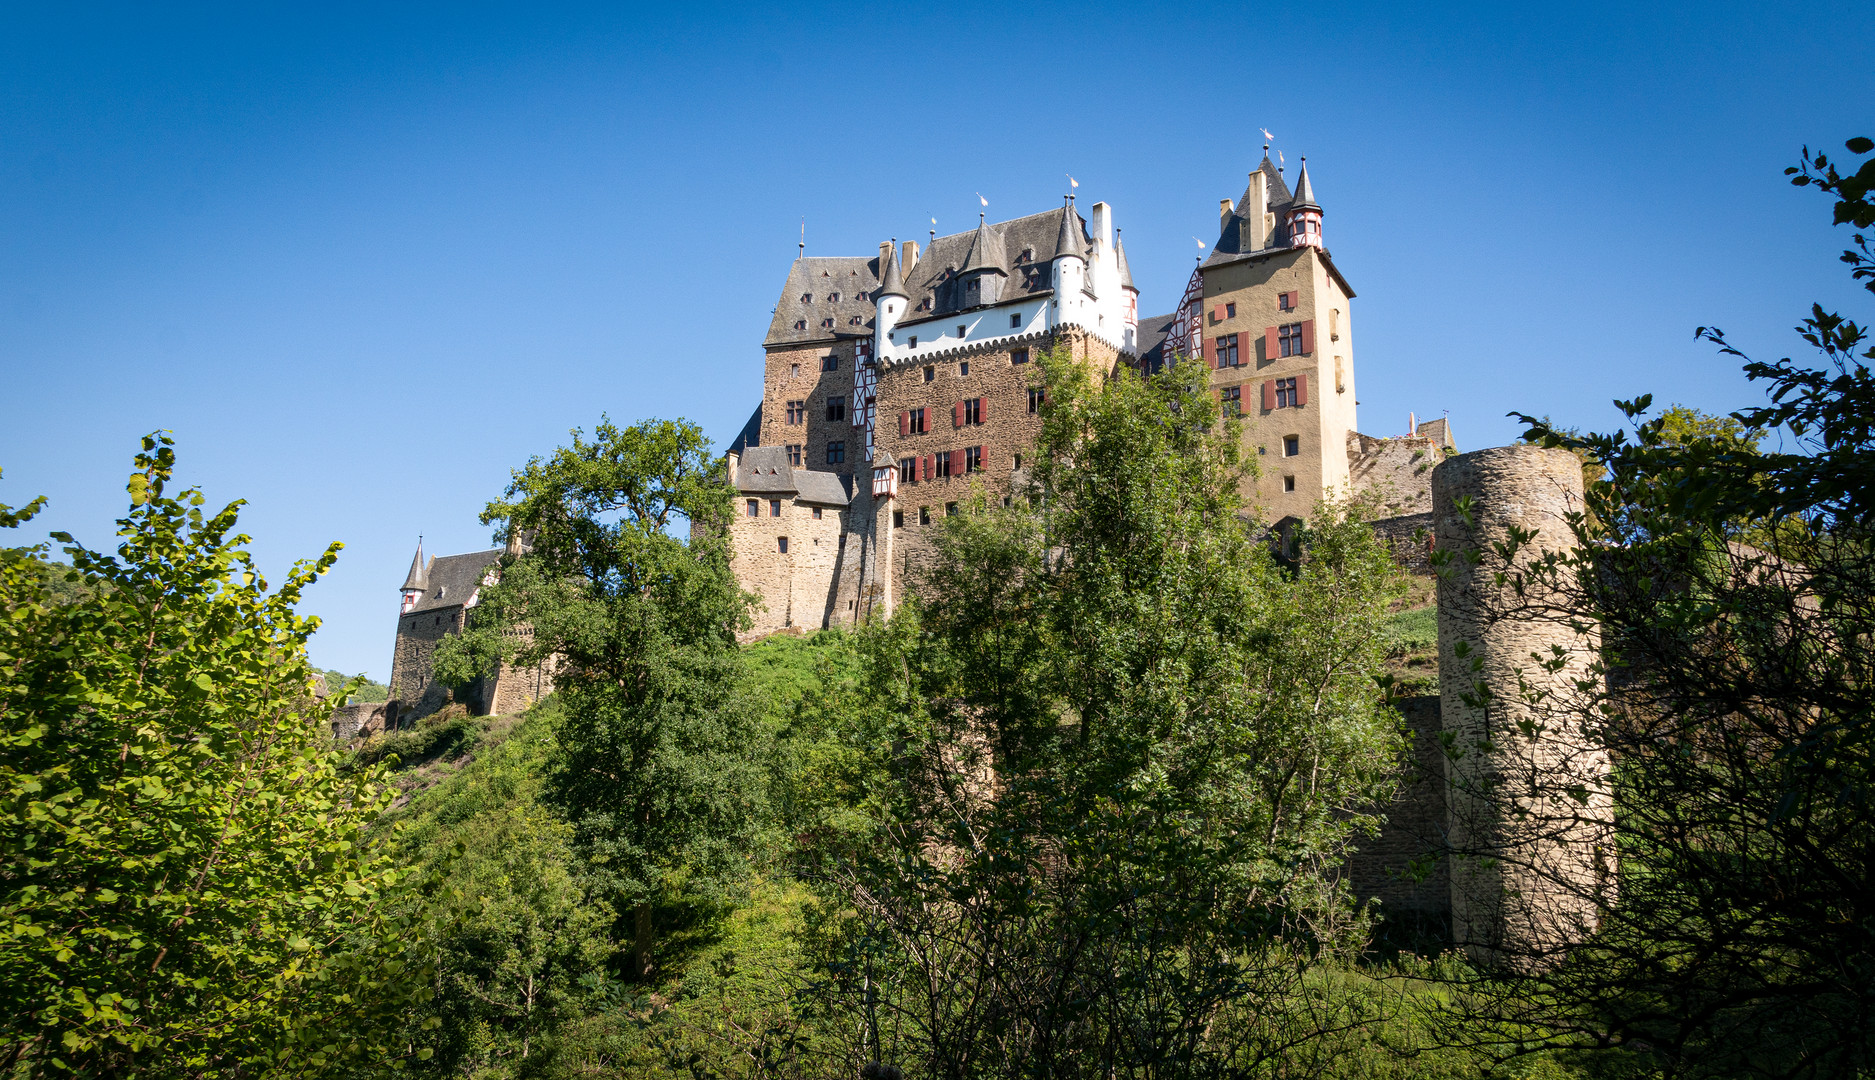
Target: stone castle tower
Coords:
[[438, 595]]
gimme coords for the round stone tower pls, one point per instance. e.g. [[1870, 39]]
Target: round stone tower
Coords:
[[1526, 785]]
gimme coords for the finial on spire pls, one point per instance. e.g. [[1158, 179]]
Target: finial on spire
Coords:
[[803, 237]]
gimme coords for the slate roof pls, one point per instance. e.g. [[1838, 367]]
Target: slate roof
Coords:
[[453, 579], [764, 470], [416, 579], [750, 435], [1119, 255], [1305, 192], [1235, 237], [1152, 331], [986, 251], [853, 278], [1070, 237], [1028, 243], [825, 488]]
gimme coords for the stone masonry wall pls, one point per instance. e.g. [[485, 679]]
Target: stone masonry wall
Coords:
[[795, 586], [413, 660], [1008, 430], [1396, 473], [794, 374]]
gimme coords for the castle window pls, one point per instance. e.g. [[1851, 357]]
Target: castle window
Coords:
[[1282, 302], [950, 509], [794, 454], [915, 422], [1018, 464], [973, 411], [962, 330], [836, 408], [836, 453], [807, 298], [1015, 321], [755, 508], [817, 516], [1230, 401], [924, 515], [1292, 445], [835, 297], [973, 459], [797, 412], [800, 324], [774, 508], [829, 362], [930, 373], [914, 341], [1018, 356], [898, 519], [944, 463], [963, 368], [1227, 354], [1289, 483], [826, 324], [1230, 311], [908, 470], [781, 542], [1340, 387], [1037, 396], [855, 321], [794, 371], [1285, 393], [1289, 339]]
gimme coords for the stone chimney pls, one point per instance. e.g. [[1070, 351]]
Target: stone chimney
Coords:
[[1103, 226], [910, 257], [1256, 214], [1224, 211]]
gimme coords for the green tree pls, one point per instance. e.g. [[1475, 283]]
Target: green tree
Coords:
[[1734, 590], [660, 764], [184, 888], [1081, 813]]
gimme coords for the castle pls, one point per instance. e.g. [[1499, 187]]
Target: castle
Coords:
[[895, 382]]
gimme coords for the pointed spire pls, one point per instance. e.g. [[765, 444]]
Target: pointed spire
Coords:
[[1305, 192], [1119, 257], [1068, 239], [890, 284], [418, 580], [986, 251]]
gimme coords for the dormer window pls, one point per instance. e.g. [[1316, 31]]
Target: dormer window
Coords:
[[835, 297], [807, 298]]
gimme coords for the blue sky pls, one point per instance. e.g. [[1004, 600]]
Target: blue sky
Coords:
[[363, 261]]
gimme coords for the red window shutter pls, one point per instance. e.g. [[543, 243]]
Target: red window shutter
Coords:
[[981, 463], [1269, 343], [1217, 313], [1295, 299], [983, 414], [1302, 389], [904, 424], [1308, 336], [957, 415], [1210, 352], [1269, 394], [1243, 348]]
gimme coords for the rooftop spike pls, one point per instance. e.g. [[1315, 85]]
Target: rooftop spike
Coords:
[[890, 284]]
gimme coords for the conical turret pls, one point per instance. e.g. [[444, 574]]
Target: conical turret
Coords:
[[1305, 215], [417, 582]]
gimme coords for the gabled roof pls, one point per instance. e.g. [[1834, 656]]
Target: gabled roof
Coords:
[[453, 579], [852, 278], [417, 579], [986, 251], [764, 470]]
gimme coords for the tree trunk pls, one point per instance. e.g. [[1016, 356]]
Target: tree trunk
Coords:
[[641, 941]]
